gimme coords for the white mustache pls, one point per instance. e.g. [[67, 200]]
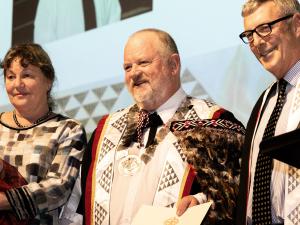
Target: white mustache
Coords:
[[138, 81]]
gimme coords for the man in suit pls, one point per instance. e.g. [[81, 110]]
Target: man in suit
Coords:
[[269, 188], [192, 158]]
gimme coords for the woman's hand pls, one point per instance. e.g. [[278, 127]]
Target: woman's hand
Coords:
[[4, 204]]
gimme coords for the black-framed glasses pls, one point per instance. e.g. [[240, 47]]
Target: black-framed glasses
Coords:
[[261, 30]]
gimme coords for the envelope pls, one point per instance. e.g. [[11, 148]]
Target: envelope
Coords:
[[154, 215]]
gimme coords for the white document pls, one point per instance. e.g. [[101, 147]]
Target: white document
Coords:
[[150, 215]]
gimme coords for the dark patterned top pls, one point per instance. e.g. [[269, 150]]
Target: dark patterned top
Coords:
[[48, 156], [213, 148]]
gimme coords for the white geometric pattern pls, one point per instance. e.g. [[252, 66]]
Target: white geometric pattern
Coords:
[[294, 178], [187, 77], [169, 177], [120, 123], [106, 147], [91, 97], [80, 96], [100, 214], [294, 216], [109, 94], [193, 115], [297, 99], [210, 103], [179, 149], [105, 180]]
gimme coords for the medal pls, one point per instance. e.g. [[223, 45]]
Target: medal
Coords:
[[129, 165]]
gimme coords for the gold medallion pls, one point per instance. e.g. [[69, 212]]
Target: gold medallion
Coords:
[[171, 221], [129, 165]]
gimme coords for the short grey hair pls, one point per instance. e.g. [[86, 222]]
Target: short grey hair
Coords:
[[164, 37], [286, 6]]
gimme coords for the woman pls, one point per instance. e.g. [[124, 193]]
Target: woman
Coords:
[[42, 149]]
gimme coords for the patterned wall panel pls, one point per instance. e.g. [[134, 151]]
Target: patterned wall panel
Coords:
[[90, 102], [89, 105]]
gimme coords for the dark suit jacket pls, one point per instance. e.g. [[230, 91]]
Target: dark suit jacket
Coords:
[[245, 170], [244, 177]]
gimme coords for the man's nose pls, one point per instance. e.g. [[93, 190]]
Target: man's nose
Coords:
[[135, 70], [256, 39]]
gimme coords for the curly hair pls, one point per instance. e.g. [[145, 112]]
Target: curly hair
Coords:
[[31, 54]]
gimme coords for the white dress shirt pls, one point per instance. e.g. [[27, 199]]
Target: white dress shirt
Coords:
[[278, 173]]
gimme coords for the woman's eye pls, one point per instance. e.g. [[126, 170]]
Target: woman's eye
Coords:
[[10, 77]]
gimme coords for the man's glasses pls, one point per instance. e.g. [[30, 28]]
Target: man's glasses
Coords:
[[262, 30]]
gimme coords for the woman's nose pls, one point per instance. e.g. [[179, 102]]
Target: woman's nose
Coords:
[[19, 82]]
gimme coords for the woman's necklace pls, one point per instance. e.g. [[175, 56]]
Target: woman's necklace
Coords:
[[36, 122]]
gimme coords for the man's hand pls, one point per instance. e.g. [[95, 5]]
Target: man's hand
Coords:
[[184, 203]]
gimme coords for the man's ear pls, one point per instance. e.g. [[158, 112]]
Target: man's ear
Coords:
[[175, 63], [296, 24]]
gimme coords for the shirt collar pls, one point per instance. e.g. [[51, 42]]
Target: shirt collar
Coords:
[[293, 74], [168, 109]]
